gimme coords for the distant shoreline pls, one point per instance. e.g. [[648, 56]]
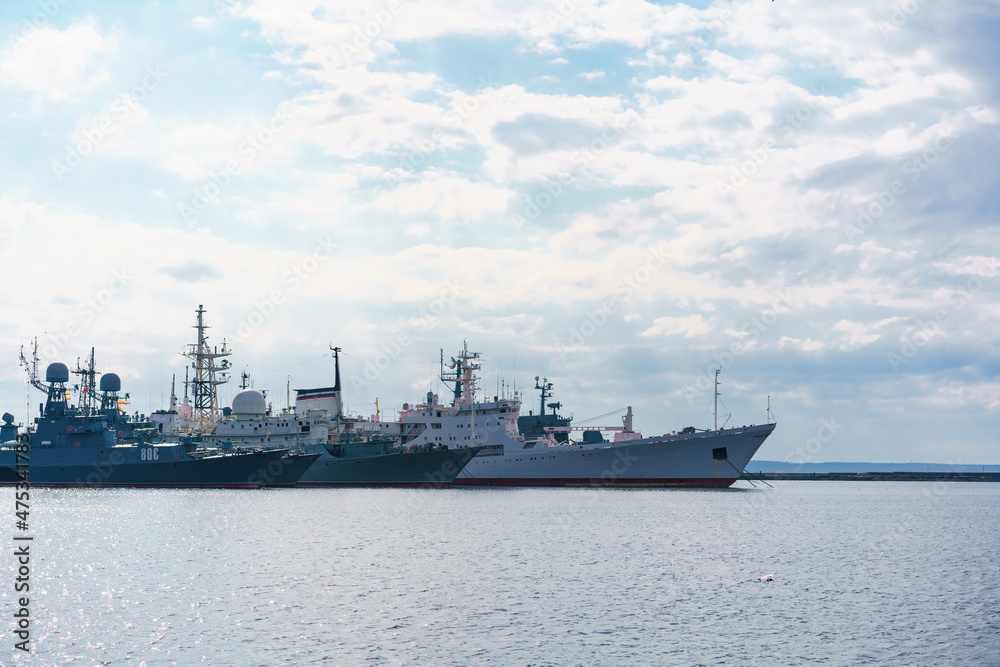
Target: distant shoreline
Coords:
[[881, 476]]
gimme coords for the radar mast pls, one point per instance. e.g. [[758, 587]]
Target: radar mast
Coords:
[[88, 384], [209, 373]]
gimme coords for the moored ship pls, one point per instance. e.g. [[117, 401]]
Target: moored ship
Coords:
[[345, 452], [692, 459], [538, 450], [362, 452], [75, 447]]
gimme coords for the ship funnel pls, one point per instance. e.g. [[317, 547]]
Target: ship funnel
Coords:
[[627, 420], [430, 397]]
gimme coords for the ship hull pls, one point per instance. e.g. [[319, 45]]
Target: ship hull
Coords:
[[410, 469], [124, 467], [562, 482], [294, 466], [705, 460]]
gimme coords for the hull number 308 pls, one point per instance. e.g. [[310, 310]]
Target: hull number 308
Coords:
[[150, 454]]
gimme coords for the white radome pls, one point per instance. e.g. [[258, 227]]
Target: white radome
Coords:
[[249, 402]]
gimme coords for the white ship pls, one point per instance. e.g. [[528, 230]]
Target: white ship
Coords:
[[616, 456], [513, 455], [698, 459], [251, 423]]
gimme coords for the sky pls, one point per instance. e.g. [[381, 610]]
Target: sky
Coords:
[[620, 197]]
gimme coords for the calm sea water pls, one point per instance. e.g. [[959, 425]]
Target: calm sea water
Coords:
[[896, 573]]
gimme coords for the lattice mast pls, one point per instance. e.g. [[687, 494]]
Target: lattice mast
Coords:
[[209, 373], [88, 399]]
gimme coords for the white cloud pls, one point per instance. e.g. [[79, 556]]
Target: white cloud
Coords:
[[203, 22], [195, 150], [688, 326], [905, 85], [322, 198], [807, 345], [682, 60], [650, 59], [984, 114], [513, 326], [59, 65], [974, 265], [446, 196], [856, 335], [251, 216]]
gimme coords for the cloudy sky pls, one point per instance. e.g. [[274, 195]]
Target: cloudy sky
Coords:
[[621, 197]]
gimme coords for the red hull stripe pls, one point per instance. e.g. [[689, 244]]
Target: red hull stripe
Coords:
[[74, 485], [403, 485], [698, 482]]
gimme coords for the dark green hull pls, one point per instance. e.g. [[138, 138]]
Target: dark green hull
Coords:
[[289, 469], [416, 469]]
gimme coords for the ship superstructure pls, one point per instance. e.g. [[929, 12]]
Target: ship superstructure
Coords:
[[178, 418], [465, 421], [316, 426], [251, 422], [99, 398], [543, 452], [533, 426], [372, 452]]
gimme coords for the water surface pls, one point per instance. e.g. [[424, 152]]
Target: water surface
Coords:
[[897, 573]]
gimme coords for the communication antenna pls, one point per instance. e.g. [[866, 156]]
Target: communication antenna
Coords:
[[717, 371], [31, 367]]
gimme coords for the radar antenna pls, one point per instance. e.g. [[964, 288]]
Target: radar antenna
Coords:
[[546, 388], [463, 376]]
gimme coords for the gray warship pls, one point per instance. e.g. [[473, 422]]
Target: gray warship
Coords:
[[78, 446]]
